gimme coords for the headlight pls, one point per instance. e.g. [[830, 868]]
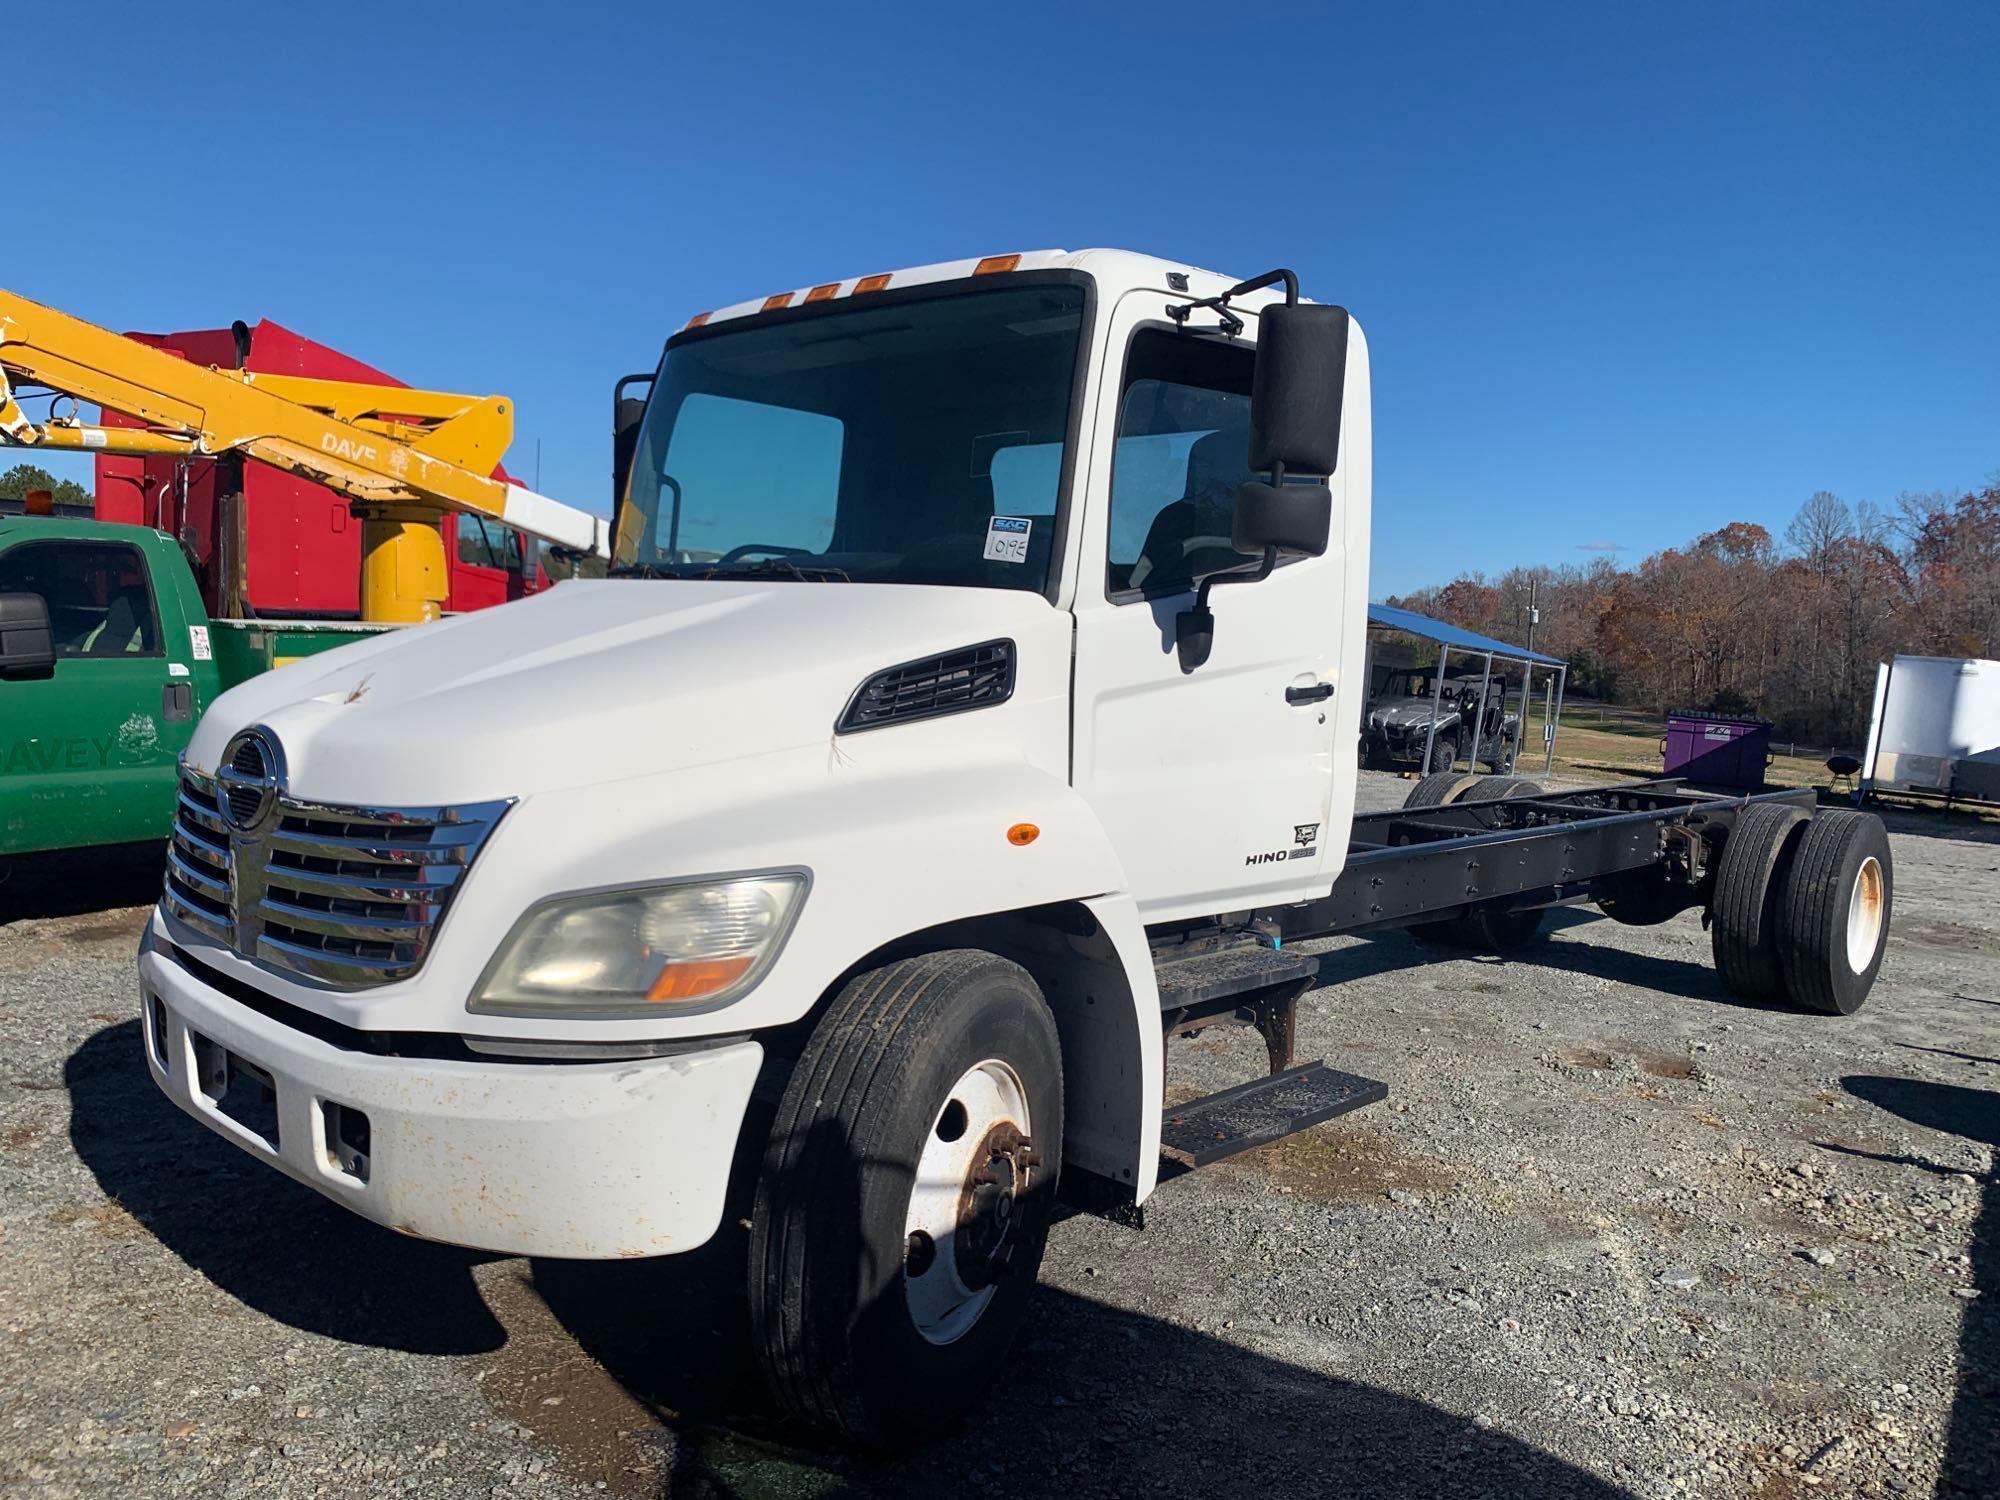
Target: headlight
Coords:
[[639, 952]]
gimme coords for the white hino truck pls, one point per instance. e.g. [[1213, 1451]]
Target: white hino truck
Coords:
[[972, 708]]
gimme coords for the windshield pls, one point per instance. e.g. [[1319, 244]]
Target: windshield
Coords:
[[908, 442]]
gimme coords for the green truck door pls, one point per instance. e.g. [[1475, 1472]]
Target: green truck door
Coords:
[[88, 752]]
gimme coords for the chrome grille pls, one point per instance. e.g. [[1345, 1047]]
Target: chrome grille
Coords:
[[349, 896]]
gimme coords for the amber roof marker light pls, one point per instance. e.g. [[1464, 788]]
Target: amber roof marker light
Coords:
[[872, 283], [994, 263]]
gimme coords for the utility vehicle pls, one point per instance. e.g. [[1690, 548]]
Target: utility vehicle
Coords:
[[1397, 729], [972, 708]]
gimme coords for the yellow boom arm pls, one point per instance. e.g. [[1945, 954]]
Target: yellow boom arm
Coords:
[[401, 456]]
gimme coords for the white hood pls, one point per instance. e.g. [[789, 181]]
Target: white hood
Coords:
[[596, 682]]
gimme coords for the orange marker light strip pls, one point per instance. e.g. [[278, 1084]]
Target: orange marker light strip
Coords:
[[994, 263], [1023, 834], [691, 981], [823, 293], [773, 303]]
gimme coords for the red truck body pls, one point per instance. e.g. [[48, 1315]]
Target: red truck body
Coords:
[[302, 545]]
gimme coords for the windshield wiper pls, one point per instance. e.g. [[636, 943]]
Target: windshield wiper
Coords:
[[777, 567], [637, 570]]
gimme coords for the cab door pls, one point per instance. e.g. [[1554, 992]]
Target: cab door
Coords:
[[88, 752], [1216, 786]]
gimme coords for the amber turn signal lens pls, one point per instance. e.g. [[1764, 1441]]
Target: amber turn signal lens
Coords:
[[1023, 834], [691, 981], [994, 263]]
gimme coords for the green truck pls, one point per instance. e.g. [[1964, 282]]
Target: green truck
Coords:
[[108, 658]]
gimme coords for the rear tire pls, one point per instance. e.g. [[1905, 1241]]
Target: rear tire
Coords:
[[903, 1110], [1486, 931], [1500, 789], [1833, 912], [1439, 789], [1747, 884]]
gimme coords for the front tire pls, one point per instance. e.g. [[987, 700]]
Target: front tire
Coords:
[[905, 1196]]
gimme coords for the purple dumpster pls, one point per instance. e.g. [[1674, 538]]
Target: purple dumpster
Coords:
[[1717, 749]]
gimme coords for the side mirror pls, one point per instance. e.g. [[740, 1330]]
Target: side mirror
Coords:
[[27, 648], [627, 412], [1294, 429], [1295, 405]]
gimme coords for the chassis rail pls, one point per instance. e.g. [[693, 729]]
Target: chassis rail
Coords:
[[1431, 864]]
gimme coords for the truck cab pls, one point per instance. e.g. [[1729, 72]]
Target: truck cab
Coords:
[[908, 653], [104, 670]]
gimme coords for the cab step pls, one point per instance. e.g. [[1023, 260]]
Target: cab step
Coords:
[[1207, 1130], [1196, 981]]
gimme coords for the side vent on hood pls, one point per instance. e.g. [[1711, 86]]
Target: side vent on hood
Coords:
[[974, 677]]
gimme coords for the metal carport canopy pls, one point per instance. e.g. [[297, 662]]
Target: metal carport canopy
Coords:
[[1451, 635]]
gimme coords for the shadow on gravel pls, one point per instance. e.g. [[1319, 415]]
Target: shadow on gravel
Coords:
[[1094, 1401], [1929, 821], [71, 882], [669, 1402], [1972, 1446], [272, 1244], [1387, 952], [1097, 1401]]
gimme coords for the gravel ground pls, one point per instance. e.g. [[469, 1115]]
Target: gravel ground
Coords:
[[1613, 1233]]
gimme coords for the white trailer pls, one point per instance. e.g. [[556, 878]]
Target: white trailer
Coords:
[[1935, 729], [973, 707]]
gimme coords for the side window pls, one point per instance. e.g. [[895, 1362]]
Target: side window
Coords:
[[99, 597], [1182, 449], [486, 544]]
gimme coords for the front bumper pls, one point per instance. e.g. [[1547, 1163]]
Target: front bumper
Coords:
[[582, 1160], [1392, 744]]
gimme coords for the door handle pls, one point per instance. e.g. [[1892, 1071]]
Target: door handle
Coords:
[[1319, 692], [177, 702]]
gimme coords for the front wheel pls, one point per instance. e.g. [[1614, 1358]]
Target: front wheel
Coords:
[[905, 1196]]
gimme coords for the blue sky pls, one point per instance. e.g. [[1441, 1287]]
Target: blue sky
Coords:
[[1629, 273]]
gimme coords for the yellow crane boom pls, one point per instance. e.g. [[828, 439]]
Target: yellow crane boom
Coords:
[[401, 457]]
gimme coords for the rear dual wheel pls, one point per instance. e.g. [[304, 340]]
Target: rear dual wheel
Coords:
[[1834, 912], [905, 1196], [1801, 907], [1486, 930]]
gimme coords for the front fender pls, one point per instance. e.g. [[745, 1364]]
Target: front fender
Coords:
[[889, 853]]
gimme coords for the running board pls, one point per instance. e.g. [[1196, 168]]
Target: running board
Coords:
[[1254, 1114]]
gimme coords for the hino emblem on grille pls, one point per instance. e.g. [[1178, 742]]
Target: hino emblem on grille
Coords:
[[248, 782]]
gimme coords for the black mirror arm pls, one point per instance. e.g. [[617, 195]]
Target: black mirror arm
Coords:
[[1194, 628], [1231, 324]]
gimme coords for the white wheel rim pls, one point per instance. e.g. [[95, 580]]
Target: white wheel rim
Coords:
[[987, 1104], [1864, 915]]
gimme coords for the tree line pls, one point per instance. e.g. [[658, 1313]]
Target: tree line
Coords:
[[17, 481], [1738, 622]]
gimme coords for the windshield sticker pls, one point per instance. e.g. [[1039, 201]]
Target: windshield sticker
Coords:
[[1007, 539], [198, 642]]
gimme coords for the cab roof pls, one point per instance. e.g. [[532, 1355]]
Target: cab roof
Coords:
[[1114, 271]]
